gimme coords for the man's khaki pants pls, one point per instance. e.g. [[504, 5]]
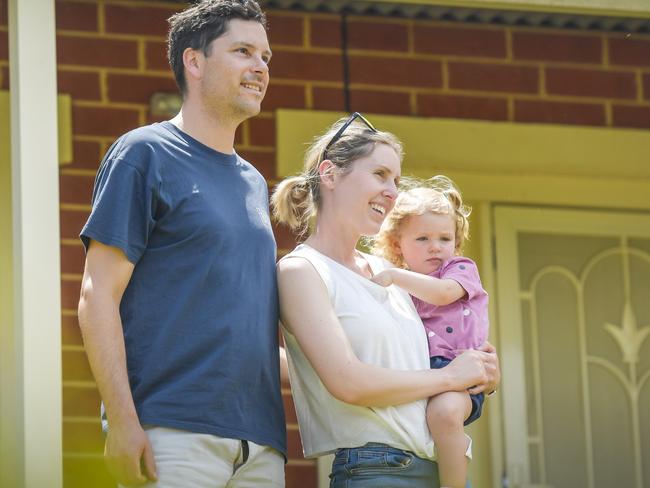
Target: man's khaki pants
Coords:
[[190, 460]]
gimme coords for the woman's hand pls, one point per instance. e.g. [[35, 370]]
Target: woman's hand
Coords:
[[492, 370], [467, 370]]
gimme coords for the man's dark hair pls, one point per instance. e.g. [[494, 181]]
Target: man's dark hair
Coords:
[[200, 24]]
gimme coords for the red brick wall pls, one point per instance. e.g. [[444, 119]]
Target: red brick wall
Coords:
[[111, 58]]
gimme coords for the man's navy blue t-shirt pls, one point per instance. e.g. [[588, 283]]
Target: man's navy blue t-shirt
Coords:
[[200, 312]]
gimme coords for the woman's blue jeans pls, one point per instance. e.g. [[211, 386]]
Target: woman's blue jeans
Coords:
[[380, 466]]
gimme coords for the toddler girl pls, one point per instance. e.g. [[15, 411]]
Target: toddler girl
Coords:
[[423, 237]]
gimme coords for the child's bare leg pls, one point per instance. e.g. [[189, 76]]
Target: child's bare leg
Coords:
[[446, 413]]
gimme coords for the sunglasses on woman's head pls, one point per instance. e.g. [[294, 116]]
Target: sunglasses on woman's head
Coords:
[[339, 133]]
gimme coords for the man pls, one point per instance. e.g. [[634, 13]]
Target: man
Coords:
[[178, 306]]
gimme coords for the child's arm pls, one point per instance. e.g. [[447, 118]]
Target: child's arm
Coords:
[[427, 288]]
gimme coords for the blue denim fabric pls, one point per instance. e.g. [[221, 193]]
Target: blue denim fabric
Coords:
[[380, 466], [438, 362]]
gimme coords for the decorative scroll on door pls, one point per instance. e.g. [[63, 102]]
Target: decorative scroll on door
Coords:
[[583, 296]]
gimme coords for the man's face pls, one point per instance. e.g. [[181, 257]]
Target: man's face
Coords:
[[236, 72]]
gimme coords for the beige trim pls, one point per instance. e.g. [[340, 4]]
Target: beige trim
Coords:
[[64, 119], [626, 8], [35, 440], [496, 161], [489, 279]]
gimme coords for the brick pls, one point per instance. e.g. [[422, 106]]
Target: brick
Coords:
[[70, 294], [137, 88], [75, 366], [458, 107], [86, 472], [284, 96], [284, 29], [325, 32], [379, 36], [395, 72], [138, 20], [629, 51], [294, 444], [459, 41], [262, 132], [289, 409], [4, 78], [71, 222], [306, 66], [76, 16], [380, 102], [72, 258], [328, 99], [83, 437], [630, 116], [103, 121], [362, 100], [283, 236], [556, 47], [493, 77], [239, 135], [156, 56], [301, 476], [88, 51], [590, 83], [4, 45], [646, 86], [81, 85], [152, 119], [264, 162], [70, 332], [549, 112], [86, 154], [80, 402], [75, 188]]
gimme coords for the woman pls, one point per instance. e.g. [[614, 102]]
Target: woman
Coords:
[[358, 358]]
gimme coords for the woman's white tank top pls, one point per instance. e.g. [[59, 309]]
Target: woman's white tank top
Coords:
[[384, 330]]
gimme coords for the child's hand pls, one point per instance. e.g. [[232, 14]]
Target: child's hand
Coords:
[[383, 278]]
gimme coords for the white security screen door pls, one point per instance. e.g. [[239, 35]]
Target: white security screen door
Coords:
[[574, 317]]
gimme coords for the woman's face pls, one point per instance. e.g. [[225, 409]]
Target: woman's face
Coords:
[[364, 195]]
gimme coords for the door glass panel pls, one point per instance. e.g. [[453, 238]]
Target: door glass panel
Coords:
[[585, 301]]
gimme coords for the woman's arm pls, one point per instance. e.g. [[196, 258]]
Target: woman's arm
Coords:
[[427, 288], [306, 311]]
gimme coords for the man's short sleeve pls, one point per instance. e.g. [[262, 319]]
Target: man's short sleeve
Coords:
[[123, 208]]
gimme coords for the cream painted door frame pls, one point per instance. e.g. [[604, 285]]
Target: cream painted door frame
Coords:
[[511, 223]]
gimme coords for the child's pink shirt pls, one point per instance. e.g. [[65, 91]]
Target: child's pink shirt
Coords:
[[462, 324]]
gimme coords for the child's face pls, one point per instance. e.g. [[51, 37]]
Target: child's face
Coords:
[[427, 240]]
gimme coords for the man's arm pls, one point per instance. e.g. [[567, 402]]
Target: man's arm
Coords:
[[128, 453]]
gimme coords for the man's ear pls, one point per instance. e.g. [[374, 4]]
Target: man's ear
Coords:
[[193, 61], [326, 172]]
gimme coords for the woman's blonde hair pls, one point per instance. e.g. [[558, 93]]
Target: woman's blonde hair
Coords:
[[438, 195], [296, 199]]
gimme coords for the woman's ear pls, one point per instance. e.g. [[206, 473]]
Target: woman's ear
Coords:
[[326, 172]]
